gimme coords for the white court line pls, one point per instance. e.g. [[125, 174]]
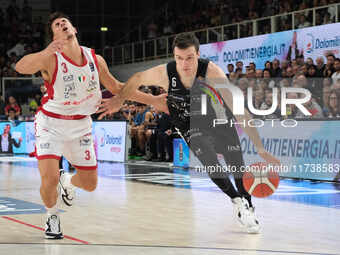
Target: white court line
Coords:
[[17, 159]]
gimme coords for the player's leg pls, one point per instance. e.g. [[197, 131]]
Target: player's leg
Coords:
[[80, 153], [141, 139], [48, 153], [232, 152], [202, 145], [49, 172]]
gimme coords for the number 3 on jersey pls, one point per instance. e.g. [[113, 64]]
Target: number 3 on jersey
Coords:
[[87, 155], [64, 67]]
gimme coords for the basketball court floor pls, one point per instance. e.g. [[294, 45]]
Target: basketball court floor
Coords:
[[150, 208]]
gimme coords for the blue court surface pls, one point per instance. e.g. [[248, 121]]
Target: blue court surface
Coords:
[[317, 193]]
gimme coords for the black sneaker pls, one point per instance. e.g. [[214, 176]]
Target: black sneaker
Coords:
[[52, 228]]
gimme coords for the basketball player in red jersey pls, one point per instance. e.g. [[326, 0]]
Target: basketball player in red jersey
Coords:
[[72, 75]]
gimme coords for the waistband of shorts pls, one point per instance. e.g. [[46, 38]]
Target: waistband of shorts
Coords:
[[60, 116]]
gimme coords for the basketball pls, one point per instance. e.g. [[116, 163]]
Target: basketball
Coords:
[[260, 180]]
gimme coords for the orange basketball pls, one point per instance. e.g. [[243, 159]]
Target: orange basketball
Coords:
[[260, 180]]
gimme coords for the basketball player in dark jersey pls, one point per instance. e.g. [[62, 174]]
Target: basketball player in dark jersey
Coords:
[[185, 79]]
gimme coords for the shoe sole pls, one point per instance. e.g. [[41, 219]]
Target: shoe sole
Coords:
[[254, 230], [55, 237]]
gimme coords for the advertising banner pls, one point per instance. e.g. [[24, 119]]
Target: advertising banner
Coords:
[[312, 42]]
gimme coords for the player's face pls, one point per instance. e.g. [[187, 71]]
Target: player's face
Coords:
[[63, 29], [186, 61]]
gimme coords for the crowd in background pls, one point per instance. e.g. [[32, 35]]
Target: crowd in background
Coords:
[[19, 36], [150, 130], [212, 13]]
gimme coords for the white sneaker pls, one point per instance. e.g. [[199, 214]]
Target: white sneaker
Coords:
[[66, 190], [255, 229], [52, 228], [245, 215]]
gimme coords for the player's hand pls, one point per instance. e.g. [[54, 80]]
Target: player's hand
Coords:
[[55, 46], [109, 106], [160, 103], [20, 139], [270, 159]]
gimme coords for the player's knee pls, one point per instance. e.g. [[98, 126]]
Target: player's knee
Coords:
[[90, 186]]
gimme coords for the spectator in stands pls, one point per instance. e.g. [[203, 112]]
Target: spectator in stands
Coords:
[[314, 83], [151, 136], [314, 108], [152, 30], [230, 68], [134, 122], [233, 77], [12, 103], [284, 83], [310, 61], [267, 104], [146, 119], [239, 64], [259, 74], [326, 82], [284, 64], [243, 85], [268, 65], [303, 22], [326, 91], [333, 106], [267, 78], [320, 67], [18, 49], [252, 66], [250, 73], [304, 69], [276, 70], [291, 109], [327, 19], [336, 74], [164, 140], [125, 111], [329, 67], [258, 98], [301, 81], [35, 103], [11, 115]]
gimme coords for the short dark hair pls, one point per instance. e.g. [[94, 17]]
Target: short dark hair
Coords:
[[330, 55], [337, 59], [53, 16], [186, 40]]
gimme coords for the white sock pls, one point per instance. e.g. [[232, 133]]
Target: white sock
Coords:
[[52, 211], [68, 181]]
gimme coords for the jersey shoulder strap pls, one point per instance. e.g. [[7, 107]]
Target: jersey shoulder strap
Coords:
[[171, 69], [202, 67]]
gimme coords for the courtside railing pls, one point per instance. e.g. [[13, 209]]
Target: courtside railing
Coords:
[[161, 47]]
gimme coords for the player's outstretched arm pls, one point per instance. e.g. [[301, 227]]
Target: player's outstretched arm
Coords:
[[155, 76], [214, 74], [35, 62]]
